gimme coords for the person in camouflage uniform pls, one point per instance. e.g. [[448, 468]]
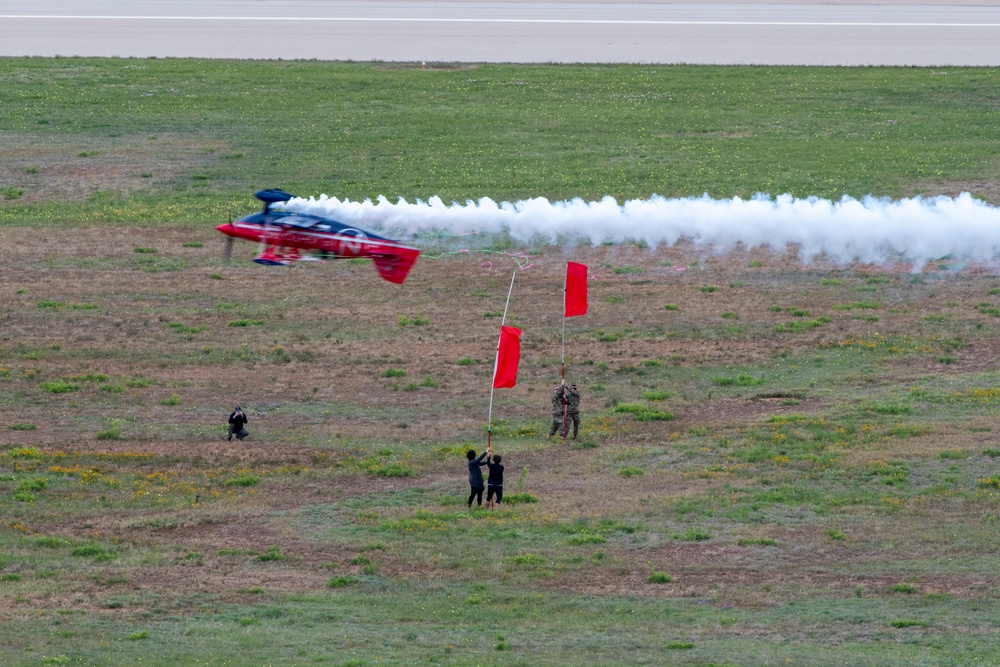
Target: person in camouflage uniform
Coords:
[[558, 411], [572, 410]]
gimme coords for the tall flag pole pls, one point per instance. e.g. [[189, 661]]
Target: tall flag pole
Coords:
[[565, 284], [574, 303], [565, 430], [506, 362]]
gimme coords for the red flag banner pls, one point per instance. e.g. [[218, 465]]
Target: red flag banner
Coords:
[[576, 289], [508, 356]]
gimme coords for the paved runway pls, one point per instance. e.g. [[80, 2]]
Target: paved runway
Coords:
[[808, 32]]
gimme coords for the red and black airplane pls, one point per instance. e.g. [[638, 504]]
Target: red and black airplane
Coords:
[[283, 236]]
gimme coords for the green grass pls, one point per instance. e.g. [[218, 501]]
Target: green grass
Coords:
[[756, 541], [92, 550], [59, 387], [416, 321], [643, 412], [800, 326], [655, 395], [112, 432], [527, 559], [834, 121], [288, 628], [273, 554], [243, 480], [740, 380], [520, 498], [181, 328], [693, 534], [339, 582]]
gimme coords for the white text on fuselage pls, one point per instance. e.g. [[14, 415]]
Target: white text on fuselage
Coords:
[[343, 246]]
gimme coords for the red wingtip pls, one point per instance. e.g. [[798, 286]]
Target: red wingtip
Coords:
[[394, 267]]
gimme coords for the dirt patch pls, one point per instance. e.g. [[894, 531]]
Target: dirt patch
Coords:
[[53, 171]]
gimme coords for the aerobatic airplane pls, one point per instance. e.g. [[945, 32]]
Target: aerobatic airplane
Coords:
[[283, 236]]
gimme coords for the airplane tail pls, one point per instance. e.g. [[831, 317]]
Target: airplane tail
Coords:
[[396, 264]]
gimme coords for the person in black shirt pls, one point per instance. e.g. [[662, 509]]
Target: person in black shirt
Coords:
[[237, 424], [495, 486], [476, 476]]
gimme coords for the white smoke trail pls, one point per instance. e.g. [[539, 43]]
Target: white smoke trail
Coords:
[[870, 230]]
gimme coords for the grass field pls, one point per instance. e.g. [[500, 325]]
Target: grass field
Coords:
[[179, 140], [778, 463]]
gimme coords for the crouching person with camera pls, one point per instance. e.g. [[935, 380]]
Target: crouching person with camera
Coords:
[[237, 424]]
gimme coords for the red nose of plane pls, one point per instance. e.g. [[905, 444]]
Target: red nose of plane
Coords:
[[227, 229]]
